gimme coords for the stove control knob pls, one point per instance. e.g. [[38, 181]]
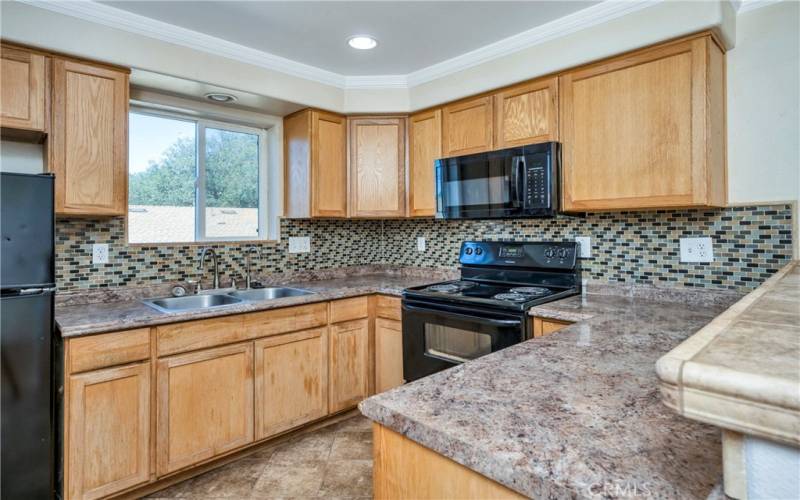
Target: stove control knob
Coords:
[[468, 251], [478, 251], [562, 253], [549, 253]]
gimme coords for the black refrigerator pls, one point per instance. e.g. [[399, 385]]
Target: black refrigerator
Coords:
[[27, 288]]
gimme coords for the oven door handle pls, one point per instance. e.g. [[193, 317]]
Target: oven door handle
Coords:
[[490, 321]]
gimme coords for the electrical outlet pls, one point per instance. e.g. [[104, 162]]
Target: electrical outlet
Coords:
[[584, 246], [100, 253], [697, 250], [421, 244], [300, 244]]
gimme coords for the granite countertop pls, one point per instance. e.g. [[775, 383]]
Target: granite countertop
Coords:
[[742, 371], [573, 414], [85, 319]]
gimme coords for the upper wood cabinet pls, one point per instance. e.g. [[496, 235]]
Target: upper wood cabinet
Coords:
[[205, 405], [526, 113], [377, 167], [315, 164], [424, 148], [88, 143], [349, 364], [107, 439], [646, 129], [291, 380], [23, 90], [467, 126]]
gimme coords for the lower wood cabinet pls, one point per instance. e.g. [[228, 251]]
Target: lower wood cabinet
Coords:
[[349, 364], [291, 380], [108, 435], [388, 354], [205, 405]]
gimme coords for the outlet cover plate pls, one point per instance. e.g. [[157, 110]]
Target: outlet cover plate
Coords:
[[585, 244], [421, 244], [697, 250], [100, 253], [299, 244]]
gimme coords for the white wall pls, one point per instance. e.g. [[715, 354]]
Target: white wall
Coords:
[[764, 108], [21, 157]]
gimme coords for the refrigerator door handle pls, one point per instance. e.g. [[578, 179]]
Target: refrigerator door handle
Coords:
[[35, 291]]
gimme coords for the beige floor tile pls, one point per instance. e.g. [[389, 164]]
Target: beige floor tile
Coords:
[[347, 479], [352, 446], [289, 481]]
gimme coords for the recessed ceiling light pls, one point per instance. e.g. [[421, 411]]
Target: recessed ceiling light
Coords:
[[220, 97], [362, 42]]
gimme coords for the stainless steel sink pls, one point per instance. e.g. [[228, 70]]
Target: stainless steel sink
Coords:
[[268, 293], [192, 302]]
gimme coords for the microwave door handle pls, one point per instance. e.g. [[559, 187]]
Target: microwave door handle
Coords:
[[518, 163], [489, 321]]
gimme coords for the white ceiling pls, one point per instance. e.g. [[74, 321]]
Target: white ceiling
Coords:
[[411, 35]]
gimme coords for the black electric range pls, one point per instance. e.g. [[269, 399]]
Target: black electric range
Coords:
[[448, 323]]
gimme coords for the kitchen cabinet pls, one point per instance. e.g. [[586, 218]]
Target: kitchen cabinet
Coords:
[[87, 146], [108, 435], [349, 364], [205, 405], [467, 126], [388, 354], [424, 148], [315, 162], [377, 167], [291, 380], [23, 90], [646, 129], [544, 326], [527, 113]]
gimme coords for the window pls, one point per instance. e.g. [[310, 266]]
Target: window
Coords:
[[195, 180]]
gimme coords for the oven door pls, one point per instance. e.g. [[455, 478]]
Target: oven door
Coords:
[[436, 337]]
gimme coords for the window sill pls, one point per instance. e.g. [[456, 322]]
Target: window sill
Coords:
[[209, 243]]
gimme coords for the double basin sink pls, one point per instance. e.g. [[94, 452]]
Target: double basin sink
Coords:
[[221, 299]]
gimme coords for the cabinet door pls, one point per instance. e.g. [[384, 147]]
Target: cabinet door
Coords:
[[377, 167], [349, 364], [88, 140], [543, 327], [108, 431], [467, 127], [23, 90], [388, 354], [205, 405], [526, 114], [645, 130], [425, 147], [328, 165], [291, 380]]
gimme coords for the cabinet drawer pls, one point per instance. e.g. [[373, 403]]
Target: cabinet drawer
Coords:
[[347, 309], [388, 307], [289, 319], [192, 335], [108, 349]]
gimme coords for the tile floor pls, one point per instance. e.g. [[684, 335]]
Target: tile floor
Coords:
[[332, 462]]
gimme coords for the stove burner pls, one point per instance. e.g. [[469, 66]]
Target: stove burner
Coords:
[[531, 290], [454, 287], [512, 297]]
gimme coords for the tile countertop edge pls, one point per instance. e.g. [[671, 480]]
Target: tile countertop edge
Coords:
[[155, 318], [723, 396]]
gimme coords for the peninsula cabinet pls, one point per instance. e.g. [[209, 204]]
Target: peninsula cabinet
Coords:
[[108, 435], [87, 146], [646, 129], [23, 91], [526, 113], [291, 380], [377, 167], [424, 148], [467, 126], [315, 164], [205, 405]]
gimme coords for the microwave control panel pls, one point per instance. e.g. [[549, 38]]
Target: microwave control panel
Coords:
[[538, 181]]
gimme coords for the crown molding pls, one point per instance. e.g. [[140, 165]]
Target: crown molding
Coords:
[[750, 5]]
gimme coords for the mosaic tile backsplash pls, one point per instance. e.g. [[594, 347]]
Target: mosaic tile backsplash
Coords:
[[750, 243]]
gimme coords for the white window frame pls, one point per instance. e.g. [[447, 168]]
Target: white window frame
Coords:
[[201, 124]]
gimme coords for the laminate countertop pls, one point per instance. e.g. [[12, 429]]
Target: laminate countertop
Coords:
[[573, 414], [100, 317]]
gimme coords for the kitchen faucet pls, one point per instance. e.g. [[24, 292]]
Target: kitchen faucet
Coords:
[[252, 249], [216, 268]]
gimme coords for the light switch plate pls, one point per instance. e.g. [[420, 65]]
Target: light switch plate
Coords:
[[697, 250], [299, 244], [585, 245], [421, 244], [100, 253]]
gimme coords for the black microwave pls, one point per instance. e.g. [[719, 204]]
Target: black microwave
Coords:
[[510, 183]]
